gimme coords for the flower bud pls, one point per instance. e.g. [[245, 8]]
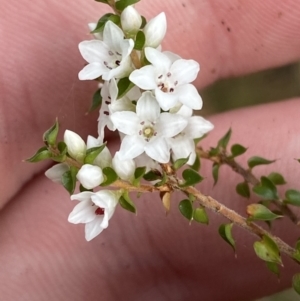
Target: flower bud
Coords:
[[90, 176], [131, 20], [55, 172], [76, 146], [124, 168], [155, 30]]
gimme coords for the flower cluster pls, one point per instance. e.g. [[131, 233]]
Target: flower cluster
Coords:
[[147, 96]]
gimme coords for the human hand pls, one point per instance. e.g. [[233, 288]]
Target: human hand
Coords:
[[148, 257]]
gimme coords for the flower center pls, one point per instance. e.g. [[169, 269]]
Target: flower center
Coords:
[[166, 83], [113, 60], [99, 211], [148, 131]]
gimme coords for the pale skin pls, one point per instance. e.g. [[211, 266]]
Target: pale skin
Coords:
[[148, 257]]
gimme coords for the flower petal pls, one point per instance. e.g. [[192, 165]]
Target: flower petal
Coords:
[[83, 212], [90, 176], [170, 125], [185, 71], [94, 228], [197, 127], [56, 171], [147, 107], [82, 196], [92, 71], [144, 78], [93, 51], [158, 150], [124, 168], [113, 36], [166, 100], [126, 122], [158, 59], [189, 96], [131, 147]]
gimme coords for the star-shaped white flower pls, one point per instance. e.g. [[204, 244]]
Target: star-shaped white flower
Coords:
[[94, 210], [147, 130], [169, 76], [108, 58]]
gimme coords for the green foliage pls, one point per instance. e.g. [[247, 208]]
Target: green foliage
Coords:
[[139, 41], [296, 255], [296, 283], [144, 22], [102, 1], [186, 209], [191, 177], [260, 212], [254, 161], [276, 178], [197, 164], [243, 189], [82, 188], [96, 101], [180, 162], [267, 250], [200, 216], [92, 153], [122, 4], [63, 149], [124, 85], [138, 175], [126, 202], [163, 181], [215, 172], [292, 197], [69, 179], [152, 175], [50, 135], [110, 176], [223, 142], [225, 231], [237, 150], [102, 21], [266, 189], [42, 154], [273, 267]]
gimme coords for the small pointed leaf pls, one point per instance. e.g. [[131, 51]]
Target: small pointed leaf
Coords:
[[92, 153], [266, 189], [50, 135], [139, 41], [102, 1], [102, 21], [197, 164], [296, 283], [180, 162], [260, 212], [163, 181], [110, 176], [243, 189], [144, 22], [215, 172], [191, 177], [152, 175], [254, 161], [138, 175], [223, 142], [276, 178], [96, 101], [42, 154], [126, 203], [63, 149], [124, 85], [186, 209], [237, 150], [292, 197], [225, 232], [200, 216], [122, 4], [273, 267], [69, 179]]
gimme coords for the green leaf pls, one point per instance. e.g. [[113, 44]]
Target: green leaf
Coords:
[[120, 5], [254, 161], [191, 177], [215, 172], [62, 147], [144, 22], [225, 232], [110, 176], [276, 178], [138, 175], [82, 189], [260, 212], [243, 189], [163, 180], [102, 21], [186, 209], [69, 179], [124, 85], [292, 197], [92, 153], [267, 250], [223, 142], [126, 202], [139, 41], [180, 162], [42, 154], [296, 283], [273, 267], [197, 164], [96, 101], [50, 135], [200, 216], [237, 150], [152, 175], [102, 1], [214, 151], [266, 189]]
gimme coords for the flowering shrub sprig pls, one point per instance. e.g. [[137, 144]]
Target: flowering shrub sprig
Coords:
[[146, 95]]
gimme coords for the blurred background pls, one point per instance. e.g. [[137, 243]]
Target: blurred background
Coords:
[[262, 87]]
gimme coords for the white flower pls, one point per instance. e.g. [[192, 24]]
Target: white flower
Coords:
[[131, 20], [95, 210], [144, 161], [108, 58], [76, 145], [56, 171], [170, 79], [183, 144], [147, 129], [124, 168], [155, 30], [90, 176], [97, 35]]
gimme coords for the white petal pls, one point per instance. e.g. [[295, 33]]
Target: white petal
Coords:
[[144, 78], [182, 148], [166, 100], [92, 142], [93, 228], [155, 30], [185, 111], [185, 71], [93, 51], [124, 168], [121, 71], [147, 107], [76, 145], [189, 96], [82, 196], [158, 150], [197, 127], [92, 71], [126, 48], [83, 212], [172, 56], [131, 147], [90, 176], [170, 125], [113, 36], [55, 172], [126, 122], [158, 59], [105, 199]]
